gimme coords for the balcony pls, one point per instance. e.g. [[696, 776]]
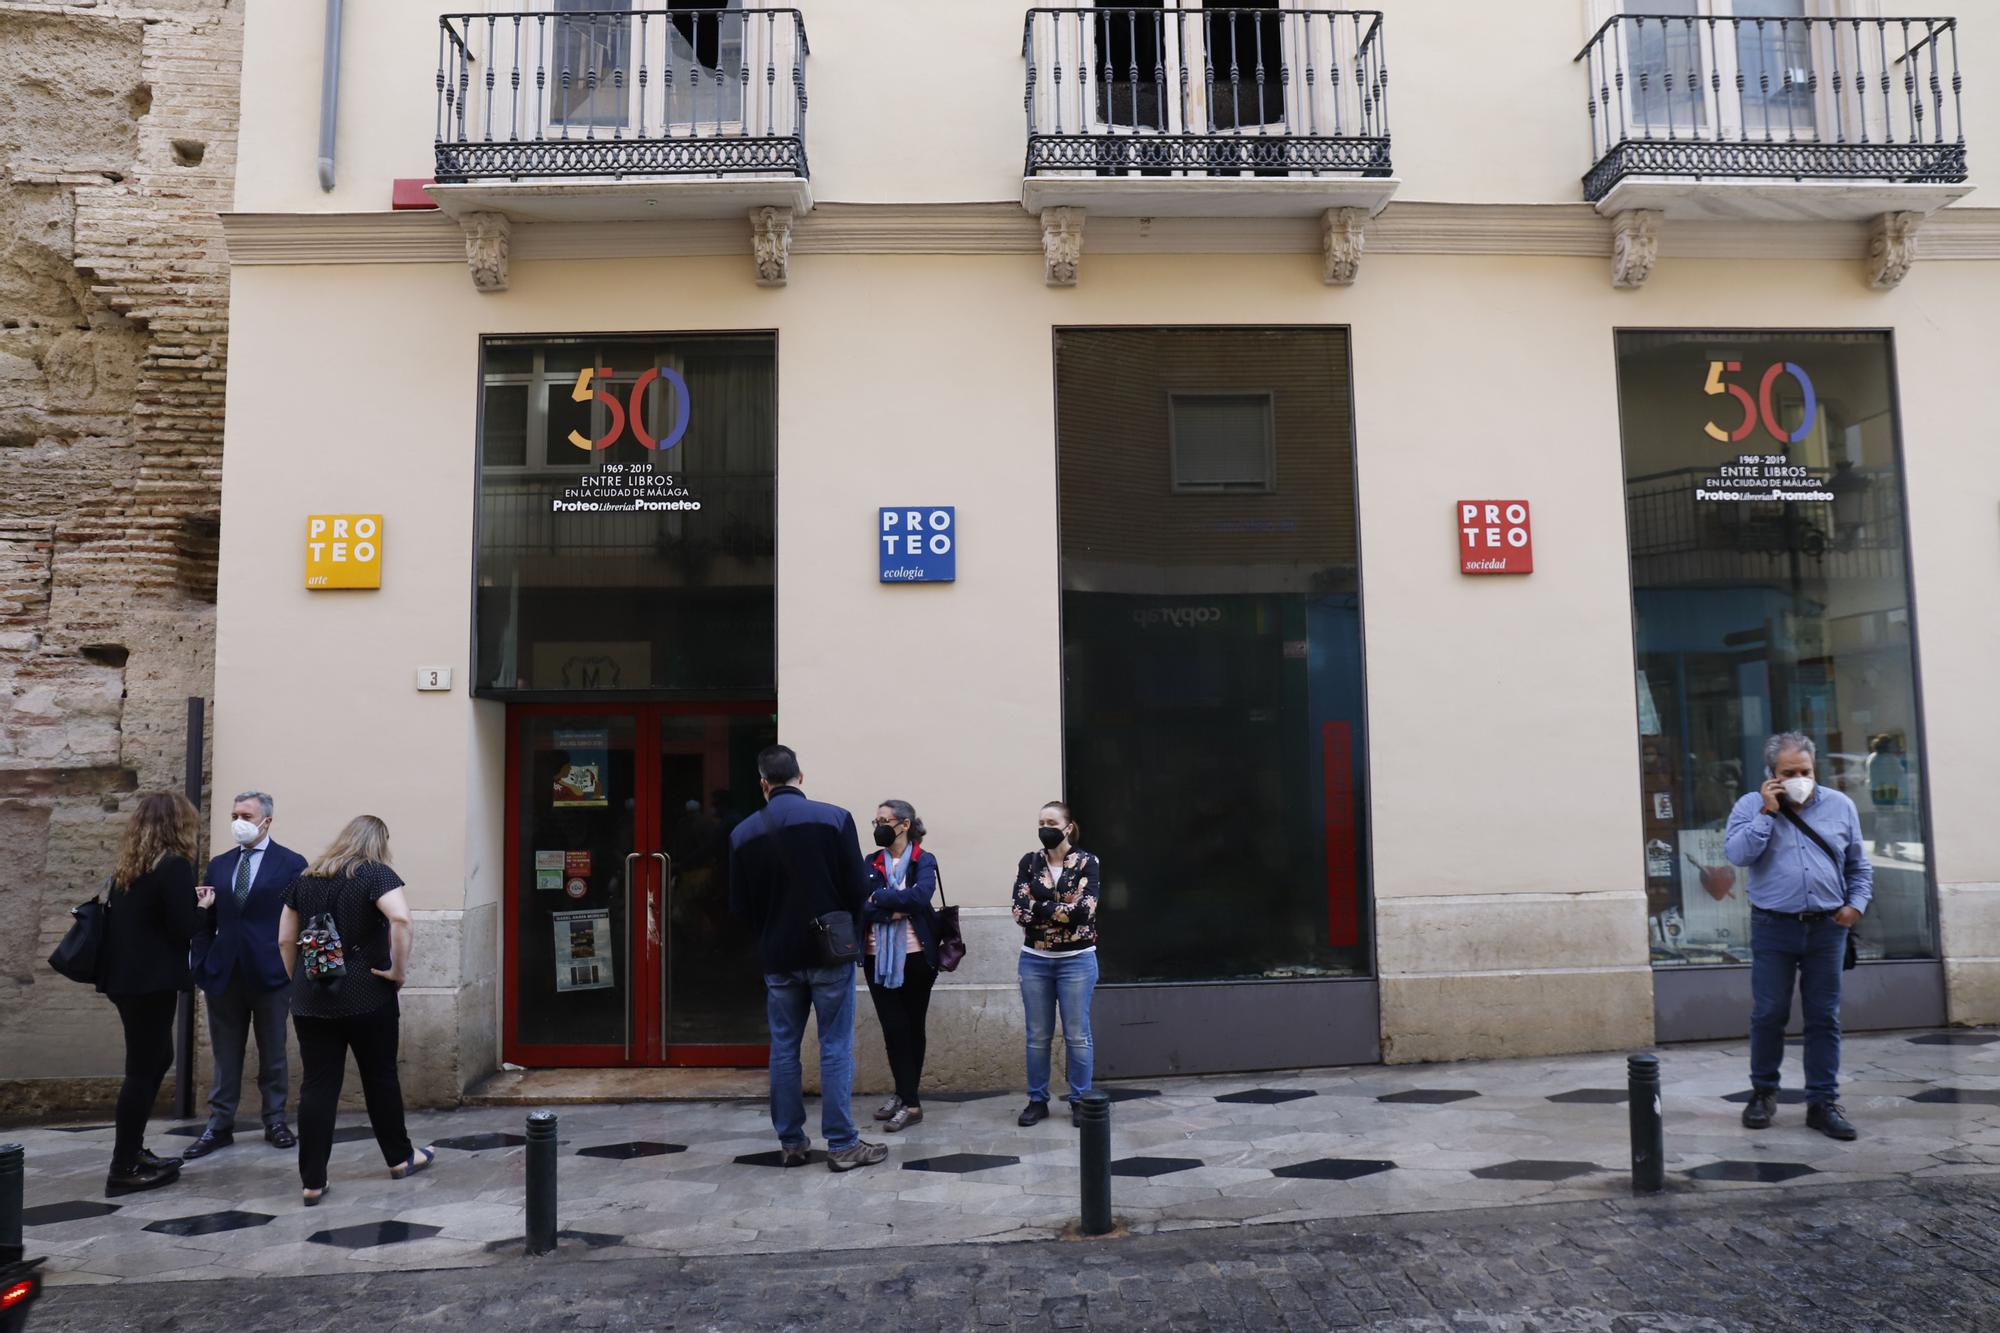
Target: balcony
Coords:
[[622, 114], [1775, 119], [1252, 111]]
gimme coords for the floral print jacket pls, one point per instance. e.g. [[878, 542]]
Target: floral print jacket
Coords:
[[1062, 919]]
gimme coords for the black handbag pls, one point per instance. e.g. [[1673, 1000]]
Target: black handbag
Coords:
[[76, 956], [950, 940], [1853, 954], [835, 939]]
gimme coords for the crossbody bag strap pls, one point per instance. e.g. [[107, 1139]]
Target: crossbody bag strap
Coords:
[[942, 900], [1839, 866]]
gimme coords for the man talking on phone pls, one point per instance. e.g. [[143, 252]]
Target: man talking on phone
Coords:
[[1810, 881]]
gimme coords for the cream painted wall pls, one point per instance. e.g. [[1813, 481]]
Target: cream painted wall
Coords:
[[920, 100]]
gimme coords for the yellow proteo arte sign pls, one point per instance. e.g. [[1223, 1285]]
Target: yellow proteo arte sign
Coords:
[[343, 551]]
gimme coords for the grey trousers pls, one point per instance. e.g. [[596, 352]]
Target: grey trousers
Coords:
[[230, 1018]]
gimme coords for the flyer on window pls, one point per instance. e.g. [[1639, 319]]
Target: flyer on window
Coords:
[[549, 871], [582, 766], [583, 950]]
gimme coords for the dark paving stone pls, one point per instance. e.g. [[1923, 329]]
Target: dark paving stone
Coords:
[[1954, 1039], [1533, 1169], [960, 1163], [590, 1240], [1266, 1096], [75, 1210], [776, 1158], [1129, 1094], [1763, 1173], [370, 1234], [1786, 1097], [1592, 1096], [626, 1151], [1958, 1096], [964, 1096], [1148, 1167], [1333, 1168], [480, 1142], [80, 1129], [207, 1224], [1429, 1096]]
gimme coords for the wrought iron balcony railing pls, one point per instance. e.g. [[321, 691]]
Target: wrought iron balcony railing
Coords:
[[1862, 99], [621, 93], [1254, 90]]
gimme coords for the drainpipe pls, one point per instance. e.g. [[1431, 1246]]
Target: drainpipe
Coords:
[[329, 93]]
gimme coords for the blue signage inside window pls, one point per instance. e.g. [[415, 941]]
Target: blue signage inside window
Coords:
[[918, 544]]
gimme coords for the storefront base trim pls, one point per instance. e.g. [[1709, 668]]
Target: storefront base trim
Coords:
[[1713, 1003], [1499, 1015], [1234, 1027]]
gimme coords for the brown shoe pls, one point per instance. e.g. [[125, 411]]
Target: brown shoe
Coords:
[[905, 1117], [861, 1154], [889, 1108]]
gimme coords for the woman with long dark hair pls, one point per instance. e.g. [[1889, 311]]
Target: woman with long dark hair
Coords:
[[142, 967], [350, 907]]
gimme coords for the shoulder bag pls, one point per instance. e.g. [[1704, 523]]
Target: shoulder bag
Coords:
[[76, 956], [835, 939], [950, 940], [1839, 868]]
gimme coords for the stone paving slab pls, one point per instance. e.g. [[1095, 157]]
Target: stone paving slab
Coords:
[[1306, 1159]]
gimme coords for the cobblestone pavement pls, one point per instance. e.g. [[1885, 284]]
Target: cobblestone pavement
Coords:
[[1915, 1256], [699, 1179]]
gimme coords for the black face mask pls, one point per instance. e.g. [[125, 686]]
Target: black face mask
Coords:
[[884, 835], [1052, 838]]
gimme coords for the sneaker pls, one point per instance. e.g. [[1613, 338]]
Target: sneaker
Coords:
[[1831, 1120], [905, 1117], [1761, 1108], [861, 1154], [798, 1156], [888, 1109], [1032, 1114], [133, 1179]]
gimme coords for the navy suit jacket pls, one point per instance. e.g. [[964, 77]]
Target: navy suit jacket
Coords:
[[247, 936]]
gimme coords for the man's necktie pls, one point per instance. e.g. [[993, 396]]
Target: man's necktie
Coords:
[[243, 878]]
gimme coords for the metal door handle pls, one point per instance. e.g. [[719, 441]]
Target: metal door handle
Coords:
[[666, 890], [630, 857]]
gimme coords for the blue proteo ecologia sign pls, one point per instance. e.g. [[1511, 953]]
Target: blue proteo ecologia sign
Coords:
[[918, 544]]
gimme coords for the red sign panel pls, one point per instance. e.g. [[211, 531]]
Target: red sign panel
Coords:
[[1494, 537]]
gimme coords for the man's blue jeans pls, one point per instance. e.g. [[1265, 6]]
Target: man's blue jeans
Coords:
[[829, 993], [1784, 950], [1049, 981]]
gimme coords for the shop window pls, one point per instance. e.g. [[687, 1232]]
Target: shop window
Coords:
[[608, 564], [1221, 442], [1212, 649], [1770, 592]]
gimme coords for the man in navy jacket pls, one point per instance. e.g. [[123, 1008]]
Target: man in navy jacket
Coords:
[[236, 961]]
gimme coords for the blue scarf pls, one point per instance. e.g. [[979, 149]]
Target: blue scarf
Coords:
[[891, 943]]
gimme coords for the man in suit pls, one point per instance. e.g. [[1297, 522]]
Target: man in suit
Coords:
[[236, 961]]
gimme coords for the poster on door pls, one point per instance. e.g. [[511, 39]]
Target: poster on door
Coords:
[[582, 764], [1715, 901], [583, 950]]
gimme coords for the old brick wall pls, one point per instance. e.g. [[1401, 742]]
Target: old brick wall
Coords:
[[117, 151]]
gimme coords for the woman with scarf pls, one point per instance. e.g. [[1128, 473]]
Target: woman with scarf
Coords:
[[901, 938]]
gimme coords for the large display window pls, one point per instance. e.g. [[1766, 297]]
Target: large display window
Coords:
[[1770, 592], [1213, 718]]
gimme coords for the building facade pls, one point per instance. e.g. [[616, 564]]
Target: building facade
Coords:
[[1392, 519]]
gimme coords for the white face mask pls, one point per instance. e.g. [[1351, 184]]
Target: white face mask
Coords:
[[1799, 789], [244, 831]]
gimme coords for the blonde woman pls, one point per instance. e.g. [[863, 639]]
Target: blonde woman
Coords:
[[143, 966], [352, 888]]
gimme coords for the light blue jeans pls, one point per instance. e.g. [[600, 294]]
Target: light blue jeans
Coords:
[[1049, 982], [829, 993]]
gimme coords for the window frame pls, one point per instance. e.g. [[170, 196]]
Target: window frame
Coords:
[[1177, 486]]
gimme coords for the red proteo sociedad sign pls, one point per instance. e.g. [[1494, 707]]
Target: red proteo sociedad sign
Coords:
[[1494, 537]]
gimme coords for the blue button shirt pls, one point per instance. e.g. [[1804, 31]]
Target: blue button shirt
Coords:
[[1788, 872]]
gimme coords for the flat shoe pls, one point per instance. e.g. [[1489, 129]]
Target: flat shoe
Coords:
[[311, 1198], [888, 1108], [905, 1117], [420, 1160]]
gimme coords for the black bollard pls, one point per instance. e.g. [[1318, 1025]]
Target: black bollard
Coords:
[[541, 1182], [10, 1203], [1649, 1143], [1094, 1154]]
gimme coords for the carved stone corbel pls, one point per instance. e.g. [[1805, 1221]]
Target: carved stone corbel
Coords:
[[771, 240], [1892, 248], [1342, 240], [1635, 244], [486, 238], [1062, 245]]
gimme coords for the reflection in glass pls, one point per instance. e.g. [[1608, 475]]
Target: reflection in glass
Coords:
[[1755, 615], [1213, 728]]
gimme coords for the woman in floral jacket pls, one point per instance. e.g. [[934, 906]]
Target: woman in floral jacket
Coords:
[[1055, 901]]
